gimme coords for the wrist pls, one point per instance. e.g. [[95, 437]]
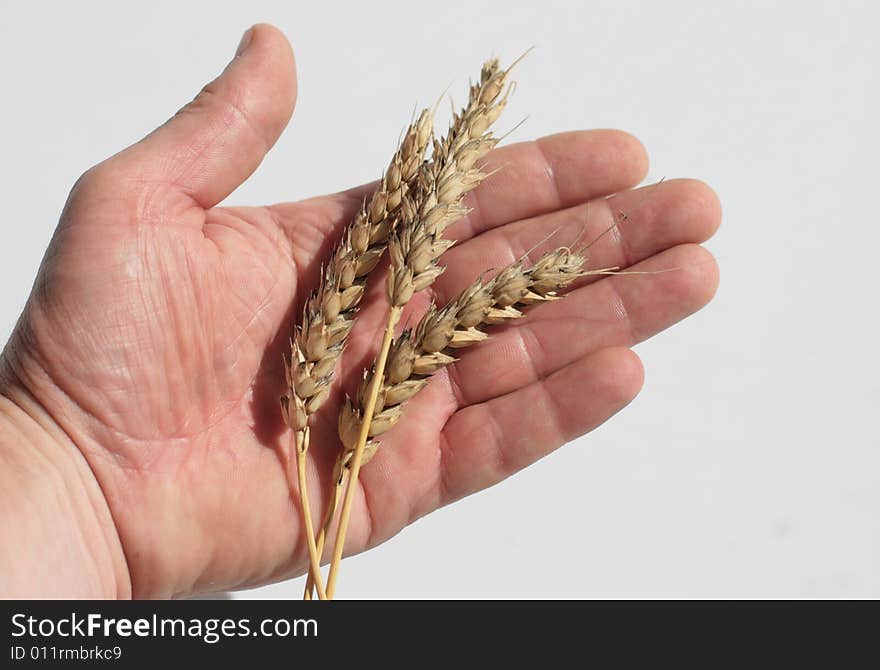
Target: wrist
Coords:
[[57, 537]]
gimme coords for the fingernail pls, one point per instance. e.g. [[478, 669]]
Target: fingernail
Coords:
[[245, 41]]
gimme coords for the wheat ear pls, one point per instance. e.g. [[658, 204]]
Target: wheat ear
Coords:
[[416, 245], [328, 315], [421, 351]]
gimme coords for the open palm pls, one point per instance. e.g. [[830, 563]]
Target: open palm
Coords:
[[155, 332]]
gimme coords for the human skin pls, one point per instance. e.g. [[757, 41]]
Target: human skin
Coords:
[[142, 452]]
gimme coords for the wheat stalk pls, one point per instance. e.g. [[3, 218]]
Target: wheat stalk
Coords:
[[328, 315], [417, 243]]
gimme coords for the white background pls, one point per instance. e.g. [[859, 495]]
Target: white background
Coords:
[[749, 465]]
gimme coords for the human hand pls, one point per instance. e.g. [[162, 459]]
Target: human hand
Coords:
[[152, 341]]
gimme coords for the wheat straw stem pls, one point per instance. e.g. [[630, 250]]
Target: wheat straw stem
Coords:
[[393, 318], [332, 504], [302, 439]]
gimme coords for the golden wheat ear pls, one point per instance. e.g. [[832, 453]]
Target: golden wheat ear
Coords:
[[427, 348]]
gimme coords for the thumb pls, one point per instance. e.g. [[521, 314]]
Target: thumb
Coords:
[[216, 141]]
